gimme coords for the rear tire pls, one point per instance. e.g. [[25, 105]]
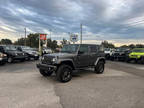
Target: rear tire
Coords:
[[99, 68], [127, 59], [45, 73], [10, 59], [64, 73]]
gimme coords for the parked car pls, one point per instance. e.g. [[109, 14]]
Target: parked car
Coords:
[[108, 53], [31, 53], [12, 53], [120, 54], [72, 57], [46, 51], [136, 55], [3, 58]]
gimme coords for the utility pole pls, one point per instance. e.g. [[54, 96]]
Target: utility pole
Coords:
[[81, 34], [69, 36], [25, 37], [46, 41], [39, 45], [50, 33]]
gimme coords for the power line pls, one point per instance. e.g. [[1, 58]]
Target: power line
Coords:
[[131, 25], [136, 22]]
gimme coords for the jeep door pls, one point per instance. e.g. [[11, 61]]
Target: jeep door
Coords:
[[83, 56], [94, 54]]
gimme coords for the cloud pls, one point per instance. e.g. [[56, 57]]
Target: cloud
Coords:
[[101, 19]]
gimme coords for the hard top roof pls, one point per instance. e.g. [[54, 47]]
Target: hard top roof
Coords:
[[84, 44]]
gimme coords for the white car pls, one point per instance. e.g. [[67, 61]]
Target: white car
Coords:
[[47, 51], [108, 52]]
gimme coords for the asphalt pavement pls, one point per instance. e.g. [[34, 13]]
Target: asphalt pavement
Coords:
[[121, 86]]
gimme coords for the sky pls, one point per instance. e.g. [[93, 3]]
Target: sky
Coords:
[[118, 21]]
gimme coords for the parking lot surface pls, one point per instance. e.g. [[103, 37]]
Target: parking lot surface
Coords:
[[121, 86]]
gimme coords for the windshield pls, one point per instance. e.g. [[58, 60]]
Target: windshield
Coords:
[[120, 50], [10, 48], [138, 50], [70, 48], [26, 48], [107, 49]]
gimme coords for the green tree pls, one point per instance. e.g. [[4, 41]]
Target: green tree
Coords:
[[106, 44], [124, 46], [52, 44], [131, 46], [20, 41], [64, 41], [32, 40], [139, 46], [6, 41]]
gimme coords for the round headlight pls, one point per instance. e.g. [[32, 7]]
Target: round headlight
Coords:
[[0, 54], [42, 58], [16, 54], [4, 55], [54, 59]]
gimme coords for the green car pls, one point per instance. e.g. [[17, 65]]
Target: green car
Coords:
[[137, 54]]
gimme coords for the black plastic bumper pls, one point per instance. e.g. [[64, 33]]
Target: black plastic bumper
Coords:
[[33, 56], [19, 57], [46, 67], [3, 59]]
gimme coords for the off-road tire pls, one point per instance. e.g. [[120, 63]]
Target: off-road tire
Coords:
[[45, 73], [64, 73], [142, 60], [128, 60], [99, 68]]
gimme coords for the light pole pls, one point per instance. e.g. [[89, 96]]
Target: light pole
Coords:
[[50, 33], [81, 33], [25, 37]]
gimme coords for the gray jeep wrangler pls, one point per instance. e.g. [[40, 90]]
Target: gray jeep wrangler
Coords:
[[72, 57]]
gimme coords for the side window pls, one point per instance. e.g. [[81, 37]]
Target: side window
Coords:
[[18, 48], [93, 49], [84, 49], [1, 49], [101, 48]]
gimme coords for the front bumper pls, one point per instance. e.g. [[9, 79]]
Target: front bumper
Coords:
[[19, 57], [135, 57], [46, 67], [3, 60], [33, 56]]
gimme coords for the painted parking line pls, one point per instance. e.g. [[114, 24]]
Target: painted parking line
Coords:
[[111, 73], [141, 68]]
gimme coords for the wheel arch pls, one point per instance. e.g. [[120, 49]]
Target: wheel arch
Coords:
[[68, 62], [100, 59]]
